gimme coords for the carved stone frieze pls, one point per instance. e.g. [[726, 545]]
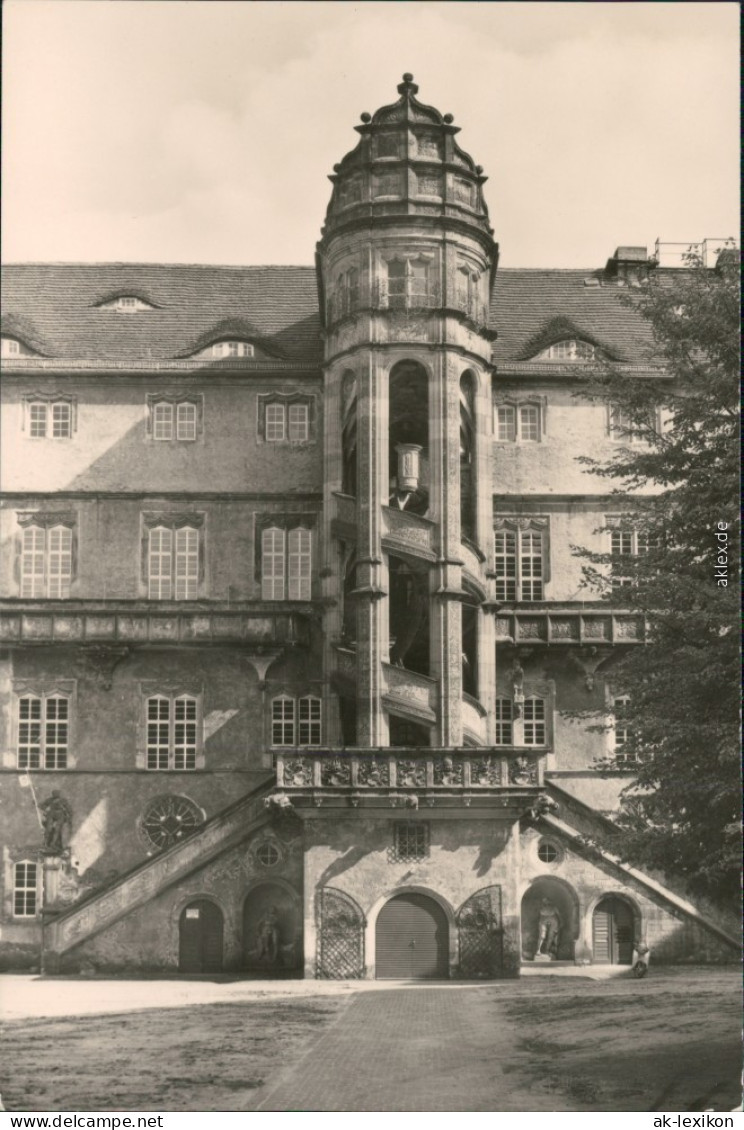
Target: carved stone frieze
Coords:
[[298, 771], [485, 771], [522, 771], [447, 771], [373, 773], [412, 773], [335, 771]]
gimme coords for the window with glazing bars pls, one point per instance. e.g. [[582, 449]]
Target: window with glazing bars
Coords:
[[503, 715], [172, 734], [43, 732], [534, 721], [286, 564], [283, 721], [518, 564], [309, 721], [410, 840], [173, 563], [25, 889], [46, 561], [50, 420]]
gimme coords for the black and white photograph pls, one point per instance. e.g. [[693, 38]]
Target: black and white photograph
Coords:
[[369, 560]]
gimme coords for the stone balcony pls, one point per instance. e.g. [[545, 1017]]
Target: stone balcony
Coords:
[[566, 625], [409, 779]]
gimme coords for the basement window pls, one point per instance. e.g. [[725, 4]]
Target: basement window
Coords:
[[410, 841]]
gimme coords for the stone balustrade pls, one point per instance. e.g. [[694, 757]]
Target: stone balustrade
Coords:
[[569, 626], [408, 533]]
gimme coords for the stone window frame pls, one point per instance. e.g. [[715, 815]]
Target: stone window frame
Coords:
[[148, 843], [550, 843], [516, 404], [620, 429], [49, 401], [627, 759], [286, 524], [344, 297], [292, 726], [618, 526], [286, 399], [46, 521], [411, 299], [151, 689], [153, 399], [502, 722], [518, 526], [151, 520], [44, 690]]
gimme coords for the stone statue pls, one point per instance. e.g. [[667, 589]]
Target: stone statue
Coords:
[[268, 936], [56, 815], [548, 928]]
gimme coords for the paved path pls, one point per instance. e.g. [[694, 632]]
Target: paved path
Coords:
[[411, 1050]]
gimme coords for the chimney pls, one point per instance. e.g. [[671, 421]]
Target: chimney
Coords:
[[628, 266]]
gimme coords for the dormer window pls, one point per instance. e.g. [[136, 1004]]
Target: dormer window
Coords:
[[228, 349], [572, 349], [127, 304], [13, 348]]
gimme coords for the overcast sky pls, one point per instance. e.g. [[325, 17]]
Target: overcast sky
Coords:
[[202, 131]]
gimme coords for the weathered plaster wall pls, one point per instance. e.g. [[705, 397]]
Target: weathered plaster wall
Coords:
[[111, 449], [148, 938]]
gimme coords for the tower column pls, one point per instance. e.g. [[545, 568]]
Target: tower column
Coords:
[[371, 591]]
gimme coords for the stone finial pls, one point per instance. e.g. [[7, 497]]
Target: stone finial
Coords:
[[448, 119], [366, 117], [408, 86]]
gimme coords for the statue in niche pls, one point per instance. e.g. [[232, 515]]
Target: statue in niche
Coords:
[[268, 936], [517, 682], [548, 929], [56, 815]]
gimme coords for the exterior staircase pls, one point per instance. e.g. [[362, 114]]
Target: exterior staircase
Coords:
[[101, 909]]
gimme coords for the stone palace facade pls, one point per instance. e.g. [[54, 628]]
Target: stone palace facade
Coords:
[[293, 637]]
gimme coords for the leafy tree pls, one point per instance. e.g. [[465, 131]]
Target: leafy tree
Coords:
[[682, 814]]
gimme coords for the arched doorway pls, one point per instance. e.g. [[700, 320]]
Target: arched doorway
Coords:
[[272, 929], [200, 938], [411, 939], [549, 921], [612, 932]]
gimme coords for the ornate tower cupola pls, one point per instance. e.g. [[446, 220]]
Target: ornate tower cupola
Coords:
[[405, 265]]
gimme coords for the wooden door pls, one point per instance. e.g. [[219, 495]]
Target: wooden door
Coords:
[[200, 938], [612, 932], [411, 939]]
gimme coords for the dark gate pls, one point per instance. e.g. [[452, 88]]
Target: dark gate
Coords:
[[480, 934], [200, 939], [340, 936], [272, 930], [612, 932], [411, 939]]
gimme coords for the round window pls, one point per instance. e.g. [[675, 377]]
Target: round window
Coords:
[[268, 854], [547, 852], [168, 819]]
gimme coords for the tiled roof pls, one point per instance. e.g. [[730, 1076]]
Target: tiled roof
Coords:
[[526, 302], [60, 301], [53, 307]]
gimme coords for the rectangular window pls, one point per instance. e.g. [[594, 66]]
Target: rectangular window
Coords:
[[172, 732], [310, 720], [160, 564], [298, 423], [410, 841], [625, 545], [275, 416], [300, 564], [283, 721], [272, 564], [506, 425], [519, 564], [187, 563], [531, 565], [25, 890], [631, 429], [37, 420], [186, 420], [184, 733], [43, 732], [534, 721], [529, 423], [162, 420], [61, 421], [46, 562], [504, 733]]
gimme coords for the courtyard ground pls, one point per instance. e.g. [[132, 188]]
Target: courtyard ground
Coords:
[[582, 1042]]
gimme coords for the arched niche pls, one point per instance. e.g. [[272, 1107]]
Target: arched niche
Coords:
[[542, 896], [409, 429]]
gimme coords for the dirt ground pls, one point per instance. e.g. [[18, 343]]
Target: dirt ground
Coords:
[[670, 1043]]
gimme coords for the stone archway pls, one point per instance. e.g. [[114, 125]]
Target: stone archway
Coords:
[[411, 938], [200, 937], [562, 897], [272, 929]]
